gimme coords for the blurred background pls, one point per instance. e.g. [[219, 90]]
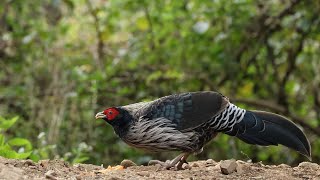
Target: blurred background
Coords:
[[62, 61]]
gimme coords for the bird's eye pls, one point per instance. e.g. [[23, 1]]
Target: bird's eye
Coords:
[[110, 112]]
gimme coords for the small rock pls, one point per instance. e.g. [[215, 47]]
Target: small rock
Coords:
[[186, 166], [127, 163], [44, 163], [240, 162], [51, 175], [228, 166], [308, 165], [88, 167], [195, 164], [260, 164], [239, 168], [155, 162], [10, 172], [216, 167], [283, 166], [257, 177], [210, 161], [143, 173], [29, 162]]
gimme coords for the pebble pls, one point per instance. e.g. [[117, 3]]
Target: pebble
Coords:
[[143, 173], [210, 161], [154, 162], [216, 167], [10, 172], [186, 166], [127, 163], [44, 163], [195, 165], [257, 177], [29, 162], [308, 165], [228, 166], [88, 167], [51, 175], [283, 166], [239, 168]]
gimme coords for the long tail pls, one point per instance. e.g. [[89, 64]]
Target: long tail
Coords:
[[264, 128]]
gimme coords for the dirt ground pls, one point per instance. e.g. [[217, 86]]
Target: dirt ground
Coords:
[[57, 169]]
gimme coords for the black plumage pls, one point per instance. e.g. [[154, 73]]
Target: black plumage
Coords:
[[187, 121]]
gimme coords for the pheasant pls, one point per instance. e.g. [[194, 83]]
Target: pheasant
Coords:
[[187, 121]]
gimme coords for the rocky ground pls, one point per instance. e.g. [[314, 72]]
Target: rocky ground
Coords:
[[230, 169]]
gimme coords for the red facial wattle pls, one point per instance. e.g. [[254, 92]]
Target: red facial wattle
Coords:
[[111, 113]]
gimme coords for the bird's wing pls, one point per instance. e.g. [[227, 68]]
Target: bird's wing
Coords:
[[188, 110]]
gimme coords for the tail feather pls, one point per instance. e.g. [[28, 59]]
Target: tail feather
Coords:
[[264, 128]]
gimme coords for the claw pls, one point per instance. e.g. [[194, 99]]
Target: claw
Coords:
[[177, 162]]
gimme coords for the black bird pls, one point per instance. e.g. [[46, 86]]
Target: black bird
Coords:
[[187, 121]]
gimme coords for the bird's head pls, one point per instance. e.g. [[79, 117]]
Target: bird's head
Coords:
[[117, 117], [110, 114]]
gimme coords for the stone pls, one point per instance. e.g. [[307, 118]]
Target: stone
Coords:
[[283, 166], [210, 161], [10, 172], [195, 164], [88, 167], [143, 173], [44, 163], [308, 165], [239, 169], [228, 166], [51, 175], [155, 162], [29, 162], [127, 163], [186, 166]]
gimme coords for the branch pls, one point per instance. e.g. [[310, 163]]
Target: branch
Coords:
[[266, 26], [100, 44], [147, 14]]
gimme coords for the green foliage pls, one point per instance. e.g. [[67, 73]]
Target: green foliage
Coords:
[[7, 147], [79, 154], [63, 61]]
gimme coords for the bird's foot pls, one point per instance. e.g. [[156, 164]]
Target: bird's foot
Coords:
[[168, 164], [176, 163]]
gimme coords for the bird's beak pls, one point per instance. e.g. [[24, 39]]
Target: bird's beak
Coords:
[[100, 115]]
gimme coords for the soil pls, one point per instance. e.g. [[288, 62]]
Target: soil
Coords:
[[57, 169]]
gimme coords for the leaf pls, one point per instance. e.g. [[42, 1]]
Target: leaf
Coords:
[[23, 155], [79, 160], [20, 142], [34, 157], [6, 124], [7, 152], [69, 3], [1, 140], [142, 23]]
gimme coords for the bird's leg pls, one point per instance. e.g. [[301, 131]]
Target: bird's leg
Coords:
[[177, 162], [174, 161], [182, 161]]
